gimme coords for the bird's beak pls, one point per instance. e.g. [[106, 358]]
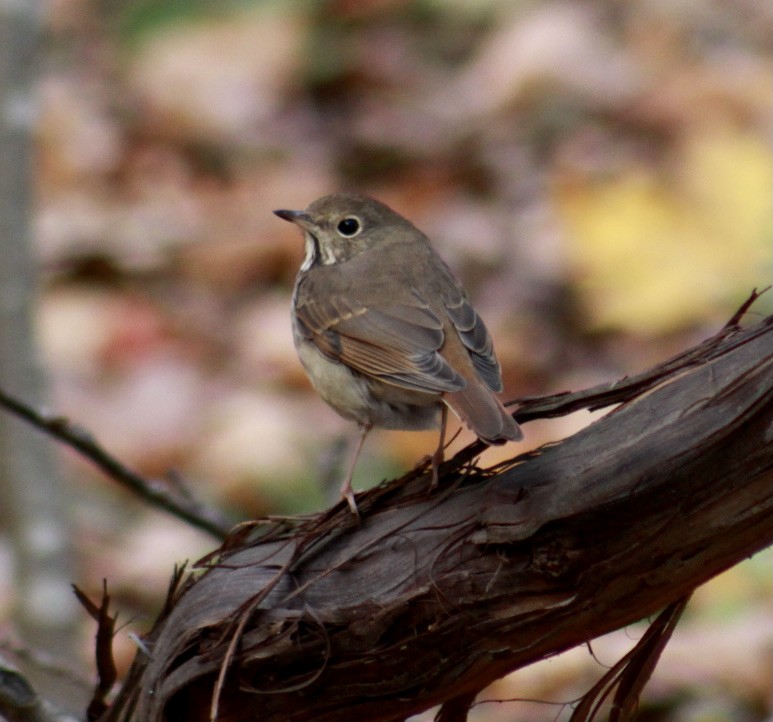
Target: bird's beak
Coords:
[[300, 218]]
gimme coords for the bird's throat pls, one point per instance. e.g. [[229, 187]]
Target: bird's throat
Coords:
[[312, 251], [317, 254]]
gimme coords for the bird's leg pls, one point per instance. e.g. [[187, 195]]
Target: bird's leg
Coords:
[[346, 487], [438, 456]]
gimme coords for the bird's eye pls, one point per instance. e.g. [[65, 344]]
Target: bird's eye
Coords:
[[349, 227]]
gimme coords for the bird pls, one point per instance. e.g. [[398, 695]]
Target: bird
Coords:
[[386, 332]]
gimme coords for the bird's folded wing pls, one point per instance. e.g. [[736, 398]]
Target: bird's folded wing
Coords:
[[475, 337], [398, 343]]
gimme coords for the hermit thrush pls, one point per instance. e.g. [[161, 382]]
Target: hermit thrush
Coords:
[[384, 330]]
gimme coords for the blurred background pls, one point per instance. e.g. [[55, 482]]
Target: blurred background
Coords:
[[597, 174]]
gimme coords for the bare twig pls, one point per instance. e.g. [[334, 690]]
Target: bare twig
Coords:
[[631, 673], [456, 709], [19, 702], [45, 663], [154, 492], [106, 671], [607, 394]]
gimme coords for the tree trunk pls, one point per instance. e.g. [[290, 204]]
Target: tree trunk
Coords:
[[436, 595], [33, 502]]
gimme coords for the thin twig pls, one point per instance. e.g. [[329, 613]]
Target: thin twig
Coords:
[[607, 394], [155, 492], [106, 669], [41, 661], [19, 702], [632, 671]]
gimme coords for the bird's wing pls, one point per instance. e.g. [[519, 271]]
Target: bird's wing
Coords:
[[474, 336], [398, 342]]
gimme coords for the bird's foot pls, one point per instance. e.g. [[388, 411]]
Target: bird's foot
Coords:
[[436, 460], [347, 493]]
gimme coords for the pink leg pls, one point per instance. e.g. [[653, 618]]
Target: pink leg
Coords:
[[346, 488], [438, 456]]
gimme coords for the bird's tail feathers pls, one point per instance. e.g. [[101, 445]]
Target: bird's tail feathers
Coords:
[[484, 414]]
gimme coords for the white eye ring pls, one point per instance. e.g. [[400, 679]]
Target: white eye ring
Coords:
[[349, 227]]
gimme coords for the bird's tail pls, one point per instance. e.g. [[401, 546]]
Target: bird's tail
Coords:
[[477, 406]]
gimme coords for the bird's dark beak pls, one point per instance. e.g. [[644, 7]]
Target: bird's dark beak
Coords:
[[298, 217]]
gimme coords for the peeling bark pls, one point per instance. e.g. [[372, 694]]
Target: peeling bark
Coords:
[[437, 595]]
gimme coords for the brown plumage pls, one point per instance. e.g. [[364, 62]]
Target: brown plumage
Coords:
[[385, 331]]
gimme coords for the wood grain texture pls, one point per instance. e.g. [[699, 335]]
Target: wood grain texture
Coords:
[[434, 597]]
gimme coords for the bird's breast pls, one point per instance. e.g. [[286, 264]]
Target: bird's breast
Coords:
[[366, 400]]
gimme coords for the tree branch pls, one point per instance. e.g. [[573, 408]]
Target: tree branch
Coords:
[[437, 595], [156, 493], [20, 703]]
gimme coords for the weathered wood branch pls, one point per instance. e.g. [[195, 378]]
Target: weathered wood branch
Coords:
[[436, 595]]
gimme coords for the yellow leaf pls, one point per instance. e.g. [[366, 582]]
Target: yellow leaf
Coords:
[[654, 254]]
